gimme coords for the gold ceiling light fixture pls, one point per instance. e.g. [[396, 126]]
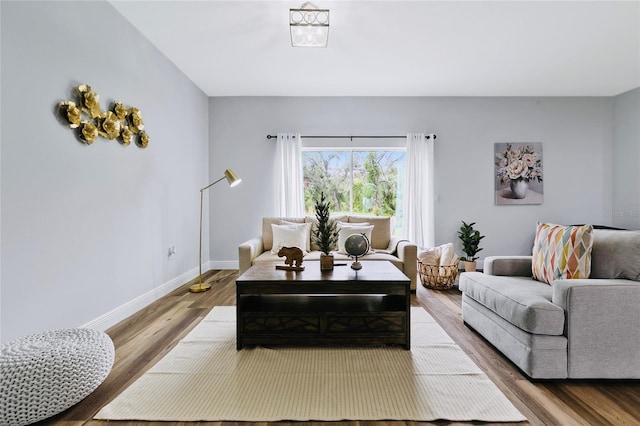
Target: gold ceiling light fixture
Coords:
[[309, 26]]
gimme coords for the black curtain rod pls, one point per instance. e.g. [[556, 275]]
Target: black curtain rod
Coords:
[[353, 137]]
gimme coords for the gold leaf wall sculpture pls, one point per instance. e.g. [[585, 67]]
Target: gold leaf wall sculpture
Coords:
[[118, 122]]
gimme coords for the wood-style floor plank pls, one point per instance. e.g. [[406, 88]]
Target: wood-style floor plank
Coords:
[[144, 338]]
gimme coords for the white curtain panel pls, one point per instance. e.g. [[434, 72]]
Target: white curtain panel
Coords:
[[419, 209], [290, 194]]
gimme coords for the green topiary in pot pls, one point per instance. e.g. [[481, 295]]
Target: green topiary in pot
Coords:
[[326, 234]]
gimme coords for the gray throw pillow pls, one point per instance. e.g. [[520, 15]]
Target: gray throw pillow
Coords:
[[615, 254]]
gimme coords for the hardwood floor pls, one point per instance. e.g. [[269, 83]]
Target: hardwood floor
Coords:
[[144, 338]]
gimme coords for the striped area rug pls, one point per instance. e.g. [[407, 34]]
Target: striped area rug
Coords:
[[205, 378]]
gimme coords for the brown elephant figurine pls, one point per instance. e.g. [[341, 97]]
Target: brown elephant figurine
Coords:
[[292, 254]]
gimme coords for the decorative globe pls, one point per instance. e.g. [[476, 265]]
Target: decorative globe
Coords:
[[356, 245]]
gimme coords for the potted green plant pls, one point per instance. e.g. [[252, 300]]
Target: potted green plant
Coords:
[[470, 238], [325, 235]]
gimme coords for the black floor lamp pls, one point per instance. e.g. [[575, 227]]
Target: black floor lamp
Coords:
[[233, 181]]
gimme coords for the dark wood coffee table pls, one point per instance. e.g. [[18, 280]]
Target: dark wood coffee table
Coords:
[[371, 306]]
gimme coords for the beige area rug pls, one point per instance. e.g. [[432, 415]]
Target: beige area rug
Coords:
[[205, 378]]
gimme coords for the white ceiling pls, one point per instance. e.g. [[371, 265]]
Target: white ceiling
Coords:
[[401, 48]]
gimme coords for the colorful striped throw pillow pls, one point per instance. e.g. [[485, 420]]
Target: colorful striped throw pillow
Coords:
[[562, 252]]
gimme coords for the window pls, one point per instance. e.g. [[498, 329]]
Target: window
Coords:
[[356, 181]]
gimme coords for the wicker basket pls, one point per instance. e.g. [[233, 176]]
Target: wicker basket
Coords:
[[438, 277]]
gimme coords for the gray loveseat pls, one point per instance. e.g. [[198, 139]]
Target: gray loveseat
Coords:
[[401, 253], [574, 328]]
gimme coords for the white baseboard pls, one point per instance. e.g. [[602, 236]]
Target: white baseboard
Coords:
[[116, 315]]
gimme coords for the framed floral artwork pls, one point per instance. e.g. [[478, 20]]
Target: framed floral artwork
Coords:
[[518, 173]]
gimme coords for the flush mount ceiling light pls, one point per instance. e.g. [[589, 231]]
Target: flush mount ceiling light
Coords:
[[309, 26]]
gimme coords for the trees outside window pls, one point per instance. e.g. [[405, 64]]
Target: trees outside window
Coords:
[[355, 181]]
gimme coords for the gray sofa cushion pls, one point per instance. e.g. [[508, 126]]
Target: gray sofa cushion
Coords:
[[615, 254], [540, 356], [522, 301]]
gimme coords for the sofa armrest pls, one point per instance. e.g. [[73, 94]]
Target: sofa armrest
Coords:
[[602, 326], [514, 266], [248, 251], [407, 252]]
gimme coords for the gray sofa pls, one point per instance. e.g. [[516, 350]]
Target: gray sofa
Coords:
[[401, 253], [574, 328]]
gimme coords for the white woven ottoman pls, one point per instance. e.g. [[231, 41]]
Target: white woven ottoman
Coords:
[[44, 374]]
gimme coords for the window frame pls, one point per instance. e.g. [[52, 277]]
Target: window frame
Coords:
[[351, 150]]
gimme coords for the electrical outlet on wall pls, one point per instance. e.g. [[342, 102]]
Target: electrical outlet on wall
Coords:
[[171, 251]]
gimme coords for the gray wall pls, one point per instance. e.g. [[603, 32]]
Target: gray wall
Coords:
[[576, 134], [85, 229], [625, 209]]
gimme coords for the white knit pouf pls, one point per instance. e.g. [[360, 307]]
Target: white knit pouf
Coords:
[[44, 374]]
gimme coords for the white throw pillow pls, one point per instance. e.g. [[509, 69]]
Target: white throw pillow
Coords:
[[344, 231], [290, 236], [306, 225]]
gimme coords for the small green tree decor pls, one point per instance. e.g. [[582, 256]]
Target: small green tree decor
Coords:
[[326, 234], [470, 238]]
